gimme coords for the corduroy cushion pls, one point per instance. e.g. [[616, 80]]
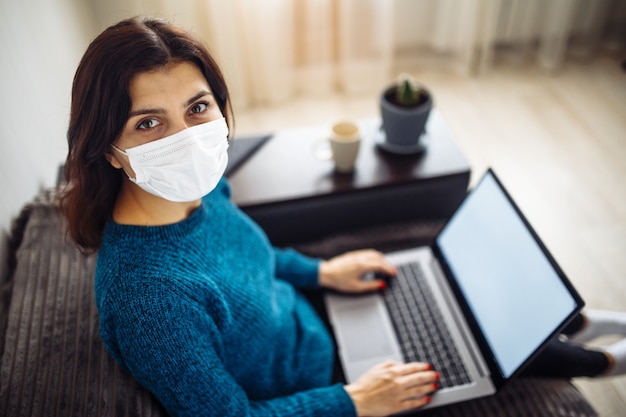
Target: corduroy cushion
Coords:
[[54, 364]]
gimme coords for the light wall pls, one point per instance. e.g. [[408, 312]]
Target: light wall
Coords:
[[41, 43]]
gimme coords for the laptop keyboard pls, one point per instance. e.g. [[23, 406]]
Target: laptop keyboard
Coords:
[[420, 328]]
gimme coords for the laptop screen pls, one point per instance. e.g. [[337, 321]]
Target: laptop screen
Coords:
[[515, 292]]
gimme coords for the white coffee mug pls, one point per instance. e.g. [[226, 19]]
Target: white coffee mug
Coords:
[[344, 140]]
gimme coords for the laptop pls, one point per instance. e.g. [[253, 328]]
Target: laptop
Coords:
[[490, 283]]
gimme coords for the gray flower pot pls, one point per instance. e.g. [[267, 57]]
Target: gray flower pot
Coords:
[[403, 126]]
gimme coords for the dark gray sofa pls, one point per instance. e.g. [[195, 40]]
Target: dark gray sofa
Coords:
[[53, 362]]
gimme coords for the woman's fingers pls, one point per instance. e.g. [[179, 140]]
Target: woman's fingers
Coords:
[[414, 403], [392, 387], [418, 386], [419, 378], [345, 272], [376, 261]]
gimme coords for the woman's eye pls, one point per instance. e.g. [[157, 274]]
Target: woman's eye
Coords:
[[199, 107], [148, 124]]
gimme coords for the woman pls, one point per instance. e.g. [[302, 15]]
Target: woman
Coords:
[[193, 299]]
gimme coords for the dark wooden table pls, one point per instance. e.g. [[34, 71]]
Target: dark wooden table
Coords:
[[295, 196]]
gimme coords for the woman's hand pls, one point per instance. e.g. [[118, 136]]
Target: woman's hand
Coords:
[[393, 387], [345, 272]]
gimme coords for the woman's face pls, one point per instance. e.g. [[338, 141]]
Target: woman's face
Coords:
[[163, 102]]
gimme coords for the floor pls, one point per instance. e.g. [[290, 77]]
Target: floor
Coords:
[[557, 141]]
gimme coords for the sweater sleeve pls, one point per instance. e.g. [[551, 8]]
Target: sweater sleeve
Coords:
[[299, 270], [172, 346]]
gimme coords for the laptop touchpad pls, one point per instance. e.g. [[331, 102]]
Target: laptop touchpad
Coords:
[[364, 326]]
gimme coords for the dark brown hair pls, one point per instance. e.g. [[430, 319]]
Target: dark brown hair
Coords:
[[100, 107]]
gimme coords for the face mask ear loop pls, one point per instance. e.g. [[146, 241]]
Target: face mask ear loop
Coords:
[[119, 150], [124, 153]]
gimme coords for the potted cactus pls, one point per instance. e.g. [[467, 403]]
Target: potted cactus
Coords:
[[405, 107]]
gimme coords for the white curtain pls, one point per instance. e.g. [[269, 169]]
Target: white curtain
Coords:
[[274, 50]]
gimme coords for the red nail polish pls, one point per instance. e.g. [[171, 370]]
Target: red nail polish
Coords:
[[429, 367], [382, 286], [435, 386], [427, 399], [437, 375]]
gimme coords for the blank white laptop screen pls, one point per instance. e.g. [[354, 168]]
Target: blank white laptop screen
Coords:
[[490, 251]]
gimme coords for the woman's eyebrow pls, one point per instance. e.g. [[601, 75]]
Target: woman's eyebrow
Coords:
[[140, 112], [145, 111], [197, 96]]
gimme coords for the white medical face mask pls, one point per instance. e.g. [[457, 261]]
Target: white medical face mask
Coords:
[[182, 167]]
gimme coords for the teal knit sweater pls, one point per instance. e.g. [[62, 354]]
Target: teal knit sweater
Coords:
[[204, 314]]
